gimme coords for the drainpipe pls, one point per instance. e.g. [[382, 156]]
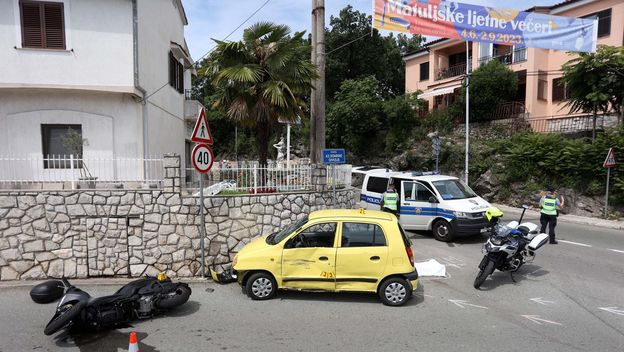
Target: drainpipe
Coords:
[[137, 85]]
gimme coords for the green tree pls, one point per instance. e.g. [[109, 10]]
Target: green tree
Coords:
[[262, 79], [490, 85], [356, 50], [355, 117], [401, 116], [596, 82]]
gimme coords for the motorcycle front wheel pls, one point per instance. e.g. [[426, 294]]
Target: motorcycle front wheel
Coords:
[[65, 315], [483, 274]]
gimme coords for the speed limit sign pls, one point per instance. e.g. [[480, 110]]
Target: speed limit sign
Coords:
[[202, 158]]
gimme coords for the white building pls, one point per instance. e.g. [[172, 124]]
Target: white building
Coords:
[[115, 71]]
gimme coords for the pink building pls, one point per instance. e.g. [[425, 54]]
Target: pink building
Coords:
[[437, 69]]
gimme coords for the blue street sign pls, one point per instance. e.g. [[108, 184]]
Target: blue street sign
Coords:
[[334, 156]]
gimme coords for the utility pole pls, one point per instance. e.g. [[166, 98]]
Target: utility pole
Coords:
[[317, 107]]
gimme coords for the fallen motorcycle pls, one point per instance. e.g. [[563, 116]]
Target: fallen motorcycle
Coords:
[[509, 246], [139, 299]]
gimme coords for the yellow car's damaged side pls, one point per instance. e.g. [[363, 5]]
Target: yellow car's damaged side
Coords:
[[331, 250]]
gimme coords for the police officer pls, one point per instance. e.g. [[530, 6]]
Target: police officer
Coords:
[[390, 200], [550, 204]]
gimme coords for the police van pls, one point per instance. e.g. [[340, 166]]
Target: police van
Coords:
[[428, 201]]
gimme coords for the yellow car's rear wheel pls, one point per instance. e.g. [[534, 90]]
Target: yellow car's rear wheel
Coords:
[[395, 291]]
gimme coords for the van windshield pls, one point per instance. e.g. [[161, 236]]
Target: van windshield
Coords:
[[277, 237], [453, 189]]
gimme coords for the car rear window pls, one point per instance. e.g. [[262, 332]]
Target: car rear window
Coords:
[[377, 184], [355, 234]]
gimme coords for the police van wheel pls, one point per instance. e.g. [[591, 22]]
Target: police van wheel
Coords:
[[442, 231]]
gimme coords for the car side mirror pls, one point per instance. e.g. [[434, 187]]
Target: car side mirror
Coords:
[[433, 199]]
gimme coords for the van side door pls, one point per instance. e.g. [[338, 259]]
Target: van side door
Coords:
[[416, 209], [372, 191]]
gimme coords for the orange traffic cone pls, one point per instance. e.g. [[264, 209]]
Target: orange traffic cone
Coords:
[[134, 344]]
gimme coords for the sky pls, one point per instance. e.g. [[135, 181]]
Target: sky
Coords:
[[216, 19]]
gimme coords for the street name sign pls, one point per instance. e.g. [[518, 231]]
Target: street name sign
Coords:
[[201, 132], [334, 156], [202, 158]]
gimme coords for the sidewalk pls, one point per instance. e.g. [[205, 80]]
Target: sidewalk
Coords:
[[575, 219]]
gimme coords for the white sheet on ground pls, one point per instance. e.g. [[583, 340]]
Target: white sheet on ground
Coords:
[[430, 268]]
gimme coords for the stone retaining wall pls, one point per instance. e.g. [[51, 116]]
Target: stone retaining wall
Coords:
[[129, 233], [87, 233]]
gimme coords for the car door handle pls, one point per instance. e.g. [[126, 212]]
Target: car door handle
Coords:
[[375, 257], [323, 258]]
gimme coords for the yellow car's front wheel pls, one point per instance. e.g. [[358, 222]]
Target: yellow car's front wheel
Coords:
[[261, 286]]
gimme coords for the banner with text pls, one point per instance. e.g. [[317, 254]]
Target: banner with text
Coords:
[[451, 19]]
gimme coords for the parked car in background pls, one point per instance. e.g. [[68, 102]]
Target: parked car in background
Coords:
[[332, 250]]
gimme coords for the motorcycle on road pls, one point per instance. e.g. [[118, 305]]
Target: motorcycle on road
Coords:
[[509, 246], [139, 299]]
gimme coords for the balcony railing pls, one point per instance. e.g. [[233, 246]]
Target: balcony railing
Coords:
[[188, 94], [512, 57], [451, 71]]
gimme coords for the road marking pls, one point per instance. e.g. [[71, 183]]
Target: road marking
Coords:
[[461, 303], [615, 250], [537, 320], [423, 295], [613, 310], [575, 243], [540, 300]]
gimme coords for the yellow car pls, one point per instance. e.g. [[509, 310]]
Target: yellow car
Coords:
[[332, 250]]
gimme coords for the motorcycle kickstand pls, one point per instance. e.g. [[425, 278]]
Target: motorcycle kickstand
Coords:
[[512, 278]]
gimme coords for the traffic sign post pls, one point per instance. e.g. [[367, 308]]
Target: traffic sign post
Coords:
[[608, 164], [202, 158], [333, 157]]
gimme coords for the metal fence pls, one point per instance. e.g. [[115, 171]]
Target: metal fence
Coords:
[[71, 172], [341, 174], [572, 124], [250, 179]]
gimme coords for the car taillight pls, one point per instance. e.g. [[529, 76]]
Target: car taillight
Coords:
[[410, 255]]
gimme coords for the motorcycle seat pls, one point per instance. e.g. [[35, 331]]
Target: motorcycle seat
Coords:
[[104, 300]]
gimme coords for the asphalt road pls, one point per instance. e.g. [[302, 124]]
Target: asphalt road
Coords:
[[571, 298]]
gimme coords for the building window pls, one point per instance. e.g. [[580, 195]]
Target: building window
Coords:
[[424, 71], [542, 86], [604, 22], [176, 74], [59, 143], [559, 90], [43, 25]]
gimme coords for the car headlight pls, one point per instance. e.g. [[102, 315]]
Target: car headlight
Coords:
[[497, 240], [460, 214], [235, 260]]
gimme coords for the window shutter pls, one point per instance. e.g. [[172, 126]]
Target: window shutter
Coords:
[[54, 26], [172, 70], [32, 34], [180, 78]]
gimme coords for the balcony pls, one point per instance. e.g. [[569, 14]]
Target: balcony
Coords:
[[509, 58], [191, 106], [451, 71]]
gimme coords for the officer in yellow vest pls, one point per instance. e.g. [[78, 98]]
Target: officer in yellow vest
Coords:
[[550, 204], [390, 201]]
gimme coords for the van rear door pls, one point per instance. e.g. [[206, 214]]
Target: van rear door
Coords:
[[372, 191]]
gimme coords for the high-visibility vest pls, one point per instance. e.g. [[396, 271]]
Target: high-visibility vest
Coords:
[[391, 200], [549, 206]]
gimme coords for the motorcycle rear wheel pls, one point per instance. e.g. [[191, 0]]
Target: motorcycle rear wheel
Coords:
[[61, 320], [177, 298], [483, 274]]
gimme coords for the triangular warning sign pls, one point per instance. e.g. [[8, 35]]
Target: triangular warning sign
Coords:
[[201, 132], [610, 160]]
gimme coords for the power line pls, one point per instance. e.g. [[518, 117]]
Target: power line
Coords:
[[214, 47]]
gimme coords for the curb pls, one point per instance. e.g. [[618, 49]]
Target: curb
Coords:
[[575, 219], [98, 281]]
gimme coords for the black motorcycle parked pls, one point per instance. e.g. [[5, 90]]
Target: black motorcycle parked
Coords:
[[139, 299]]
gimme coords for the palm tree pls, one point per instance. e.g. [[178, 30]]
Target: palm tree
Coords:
[[262, 79]]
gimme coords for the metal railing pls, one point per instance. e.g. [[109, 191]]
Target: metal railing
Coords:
[[341, 174], [71, 172], [250, 178], [512, 57], [566, 124], [451, 71]]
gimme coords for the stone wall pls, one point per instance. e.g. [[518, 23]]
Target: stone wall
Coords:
[[81, 234]]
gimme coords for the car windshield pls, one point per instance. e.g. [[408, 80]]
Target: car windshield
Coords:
[[453, 189], [277, 237]]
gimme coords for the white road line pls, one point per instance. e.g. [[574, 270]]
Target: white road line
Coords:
[[538, 320], [575, 243], [615, 250]]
